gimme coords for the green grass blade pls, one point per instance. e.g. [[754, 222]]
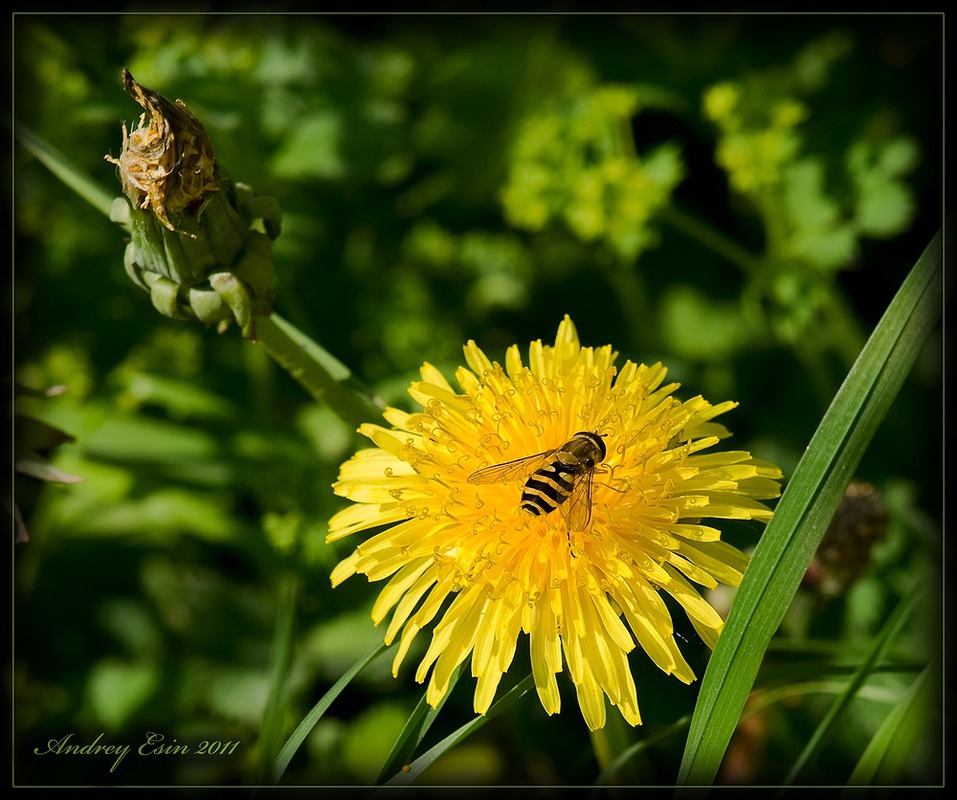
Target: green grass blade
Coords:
[[415, 729], [509, 699], [638, 747], [309, 721], [65, 170], [804, 511], [885, 759], [878, 648], [271, 728]]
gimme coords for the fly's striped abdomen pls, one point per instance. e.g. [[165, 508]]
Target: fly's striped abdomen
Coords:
[[549, 487]]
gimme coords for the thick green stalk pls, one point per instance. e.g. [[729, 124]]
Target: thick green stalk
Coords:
[[321, 374]]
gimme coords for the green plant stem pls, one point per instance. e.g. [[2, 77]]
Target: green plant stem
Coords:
[[322, 375], [326, 378], [712, 239], [271, 729]]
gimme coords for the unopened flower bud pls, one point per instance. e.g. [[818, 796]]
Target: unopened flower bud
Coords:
[[200, 244]]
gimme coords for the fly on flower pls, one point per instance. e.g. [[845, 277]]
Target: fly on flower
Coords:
[[558, 478], [578, 565]]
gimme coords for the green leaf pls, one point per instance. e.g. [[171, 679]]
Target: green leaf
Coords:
[[130, 437], [899, 156], [880, 645], [884, 207], [509, 699], [309, 721], [182, 399], [157, 516], [116, 690], [805, 509], [821, 236], [885, 759], [415, 729], [65, 170], [282, 645], [698, 326]]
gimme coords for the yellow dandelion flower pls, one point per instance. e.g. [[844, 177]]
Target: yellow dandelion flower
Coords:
[[572, 548]]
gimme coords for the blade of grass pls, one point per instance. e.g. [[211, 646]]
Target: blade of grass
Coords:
[[406, 776], [271, 728], [309, 721], [763, 699], [892, 627], [807, 505], [637, 748], [885, 759], [65, 170], [607, 742], [415, 729]]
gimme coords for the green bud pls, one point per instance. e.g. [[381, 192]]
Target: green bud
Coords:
[[200, 244]]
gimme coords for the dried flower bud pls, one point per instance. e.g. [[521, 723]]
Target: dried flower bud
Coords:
[[167, 163], [200, 243]]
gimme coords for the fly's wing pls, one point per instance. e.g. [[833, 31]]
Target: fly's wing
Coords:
[[510, 470], [577, 509]]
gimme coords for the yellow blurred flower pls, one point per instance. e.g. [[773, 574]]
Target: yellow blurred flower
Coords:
[[467, 554]]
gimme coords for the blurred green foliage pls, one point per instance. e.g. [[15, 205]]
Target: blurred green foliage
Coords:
[[577, 163], [738, 197]]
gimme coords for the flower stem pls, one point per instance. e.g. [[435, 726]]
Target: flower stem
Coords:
[[608, 742], [711, 238], [322, 375], [271, 729]]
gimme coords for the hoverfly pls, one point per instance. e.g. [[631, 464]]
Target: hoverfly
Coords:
[[558, 478]]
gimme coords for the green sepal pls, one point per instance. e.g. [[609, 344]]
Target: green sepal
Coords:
[[216, 266]]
